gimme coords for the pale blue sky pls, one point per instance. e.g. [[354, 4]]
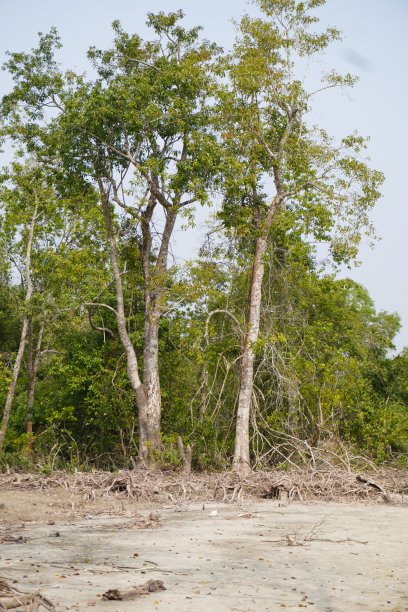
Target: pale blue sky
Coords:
[[375, 47]]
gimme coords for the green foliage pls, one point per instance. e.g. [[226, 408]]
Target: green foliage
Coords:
[[175, 118]]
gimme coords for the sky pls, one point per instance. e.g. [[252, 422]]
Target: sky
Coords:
[[374, 47]]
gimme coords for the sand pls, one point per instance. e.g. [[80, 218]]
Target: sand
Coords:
[[252, 557]]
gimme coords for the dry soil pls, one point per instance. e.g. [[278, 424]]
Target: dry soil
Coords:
[[252, 557]]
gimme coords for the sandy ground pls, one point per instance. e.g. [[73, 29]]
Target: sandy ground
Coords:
[[256, 557]]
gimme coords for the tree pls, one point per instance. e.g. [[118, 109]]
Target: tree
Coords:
[[44, 241], [253, 349], [140, 135], [24, 209], [280, 165]]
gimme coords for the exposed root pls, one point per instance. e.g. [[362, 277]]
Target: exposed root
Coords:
[[168, 487]]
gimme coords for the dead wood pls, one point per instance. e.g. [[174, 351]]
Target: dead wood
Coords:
[[13, 599], [140, 522], [298, 539], [345, 541], [374, 485], [11, 539], [151, 586], [284, 489], [154, 486]]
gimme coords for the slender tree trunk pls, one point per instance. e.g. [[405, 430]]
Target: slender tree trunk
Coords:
[[32, 368], [14, 378], [151, 378], [31, 378], [241, 461], [131, 359], [202, 405], [24, 331], [155, 300]]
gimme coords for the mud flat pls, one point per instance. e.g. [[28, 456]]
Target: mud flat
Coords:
[[211, 557]]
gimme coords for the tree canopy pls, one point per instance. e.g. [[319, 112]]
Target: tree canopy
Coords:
[[112, 352]]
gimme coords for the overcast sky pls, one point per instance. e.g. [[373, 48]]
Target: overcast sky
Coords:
[[375, 47]]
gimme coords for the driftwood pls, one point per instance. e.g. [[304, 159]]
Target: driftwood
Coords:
[[13, 599], [151, 586]]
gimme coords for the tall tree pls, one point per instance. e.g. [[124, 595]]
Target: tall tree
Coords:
[[140, 135], [283, 166]]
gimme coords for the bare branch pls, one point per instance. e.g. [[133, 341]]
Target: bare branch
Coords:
[[101, 305], [97, 328]]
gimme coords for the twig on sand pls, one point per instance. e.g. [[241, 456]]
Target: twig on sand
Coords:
[[297, 539]]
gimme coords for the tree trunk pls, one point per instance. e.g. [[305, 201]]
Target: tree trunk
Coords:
[[24, 331], [155, 300], [14, 378], [241, 461], [131, 359], [33, 363], [31, 377], [148, 395], [151, 378]]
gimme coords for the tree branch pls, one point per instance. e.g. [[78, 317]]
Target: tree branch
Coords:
[[100, 304]]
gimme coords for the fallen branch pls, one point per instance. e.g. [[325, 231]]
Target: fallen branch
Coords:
[[11, 599], [151, 586], [347, 540], [374, 485]]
